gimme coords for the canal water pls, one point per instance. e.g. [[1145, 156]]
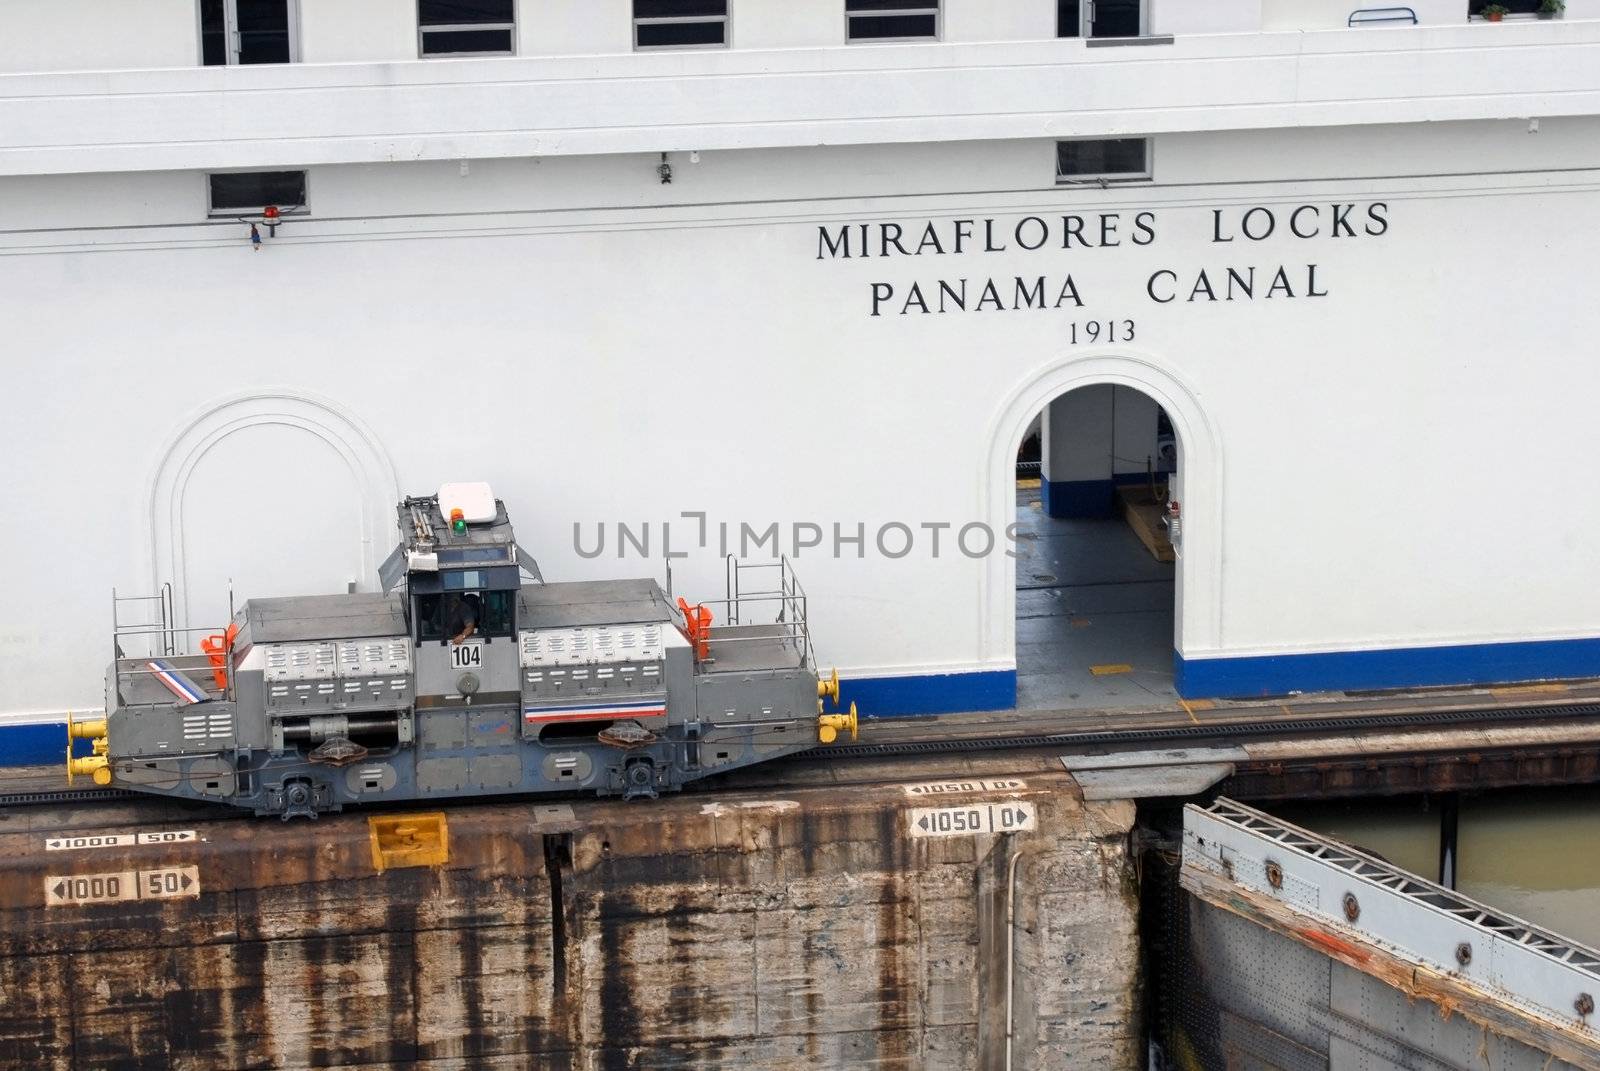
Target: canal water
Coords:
[[1534, 853]]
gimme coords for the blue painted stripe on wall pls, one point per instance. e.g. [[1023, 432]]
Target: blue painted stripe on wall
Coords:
[[1197, 678], [38, 745], [944, 693], [1078, 499], [1085, 499], [1395, 668]]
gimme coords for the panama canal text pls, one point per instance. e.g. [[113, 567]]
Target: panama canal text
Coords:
[[1237, 229]]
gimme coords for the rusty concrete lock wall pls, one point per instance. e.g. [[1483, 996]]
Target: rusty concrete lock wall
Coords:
[[803, 931]]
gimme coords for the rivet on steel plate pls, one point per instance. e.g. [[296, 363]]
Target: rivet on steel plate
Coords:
[[1352, 907], [1463, 953], [1274, 874]]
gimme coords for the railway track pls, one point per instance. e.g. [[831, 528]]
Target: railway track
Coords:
[[1184, 733]]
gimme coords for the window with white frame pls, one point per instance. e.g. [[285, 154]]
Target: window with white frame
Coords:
[[680, 23], [1101, 18], [246, 193], [248, 31], [1103, 160], [466, 27], [891, 20]]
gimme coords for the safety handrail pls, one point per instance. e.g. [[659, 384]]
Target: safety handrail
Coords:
[[1363, 16], [786, 592]]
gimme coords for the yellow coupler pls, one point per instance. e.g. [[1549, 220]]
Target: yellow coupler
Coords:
[[94, 765]]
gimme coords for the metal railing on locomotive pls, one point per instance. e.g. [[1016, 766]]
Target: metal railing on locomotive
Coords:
[[163, 628], [141, 679], [780, 607], [164, 641]]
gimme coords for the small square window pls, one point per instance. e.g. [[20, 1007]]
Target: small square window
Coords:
[[466, 27], [248, 192], [680, 24], [1106, 159], [891, 20]]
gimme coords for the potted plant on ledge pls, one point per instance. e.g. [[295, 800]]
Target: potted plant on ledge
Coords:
[[1549, 9], [1494, 12]]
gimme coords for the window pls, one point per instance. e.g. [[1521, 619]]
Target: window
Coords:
[[441, 617], [1515, 7], [248, 192], [680, 23], [1100, 18], [466, 27], [247, 31], [1108, 160], [891, 20]]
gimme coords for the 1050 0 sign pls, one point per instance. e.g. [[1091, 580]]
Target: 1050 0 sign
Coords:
[[1089, 332], [1013, 816]]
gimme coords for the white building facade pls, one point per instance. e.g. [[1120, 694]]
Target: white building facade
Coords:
[[695, 278]]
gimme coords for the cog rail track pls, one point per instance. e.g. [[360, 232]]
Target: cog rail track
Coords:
[[1165, 734], [1221, 730]]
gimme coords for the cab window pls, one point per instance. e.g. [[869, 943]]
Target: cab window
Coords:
[[442, 617]]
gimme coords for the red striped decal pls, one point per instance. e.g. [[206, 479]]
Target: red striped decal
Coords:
[[596, 715]]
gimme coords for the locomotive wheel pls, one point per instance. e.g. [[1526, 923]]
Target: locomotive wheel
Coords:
[[639, 780]]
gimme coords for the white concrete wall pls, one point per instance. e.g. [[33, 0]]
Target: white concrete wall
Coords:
[[93, 35], [783, 24], [302, 114], [356, 31], [98, 35], [1217, 16], [693, 353], [999, 20], [560, 27], [1133, 432], [1077, 435], [1333, 14], [1095, 432]]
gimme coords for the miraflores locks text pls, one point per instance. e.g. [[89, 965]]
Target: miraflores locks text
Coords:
[[1230, 228]]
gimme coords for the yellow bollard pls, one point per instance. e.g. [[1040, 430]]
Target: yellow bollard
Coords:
[[829, 687], [829, 726]]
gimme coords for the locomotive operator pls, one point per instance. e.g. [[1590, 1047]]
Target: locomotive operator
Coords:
[[461, 613]]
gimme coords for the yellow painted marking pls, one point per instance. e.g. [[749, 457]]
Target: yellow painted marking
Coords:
[[1028, 485], [1187, 709], [1110, 670], [1528, 689], [1202, 704], [1285, 708], [408, 840]]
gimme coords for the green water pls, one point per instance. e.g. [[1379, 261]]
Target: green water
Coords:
[[1534, 853]]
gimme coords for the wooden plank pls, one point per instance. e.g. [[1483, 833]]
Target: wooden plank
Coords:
[[1143, 512]]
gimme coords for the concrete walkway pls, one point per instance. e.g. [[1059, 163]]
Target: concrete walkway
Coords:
[[1094, 614]]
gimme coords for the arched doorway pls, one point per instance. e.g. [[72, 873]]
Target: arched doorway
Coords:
[[1197, 577], [282, 491], [263, 545], [1096, 565]]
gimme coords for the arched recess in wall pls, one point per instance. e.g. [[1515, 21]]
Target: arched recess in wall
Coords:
[[1199, 574], [356, 445]]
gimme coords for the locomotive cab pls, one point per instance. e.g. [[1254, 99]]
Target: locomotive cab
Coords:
[[462, 578]]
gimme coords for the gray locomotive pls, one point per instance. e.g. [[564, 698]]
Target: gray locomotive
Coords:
[[467, 676]]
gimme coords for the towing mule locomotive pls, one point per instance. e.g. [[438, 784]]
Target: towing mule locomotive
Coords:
[[466, 675]]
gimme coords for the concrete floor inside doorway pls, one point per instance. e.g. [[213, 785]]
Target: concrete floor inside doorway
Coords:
[[1094, 614]]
